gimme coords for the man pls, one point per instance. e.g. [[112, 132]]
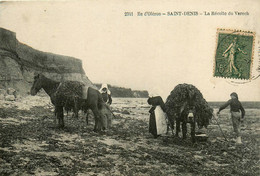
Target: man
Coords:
[[235, 108], [106, 94]]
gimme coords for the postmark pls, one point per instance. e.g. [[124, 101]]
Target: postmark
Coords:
[[234, 54]]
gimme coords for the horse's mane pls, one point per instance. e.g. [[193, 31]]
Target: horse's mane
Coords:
[[48, 79], [50, 85]]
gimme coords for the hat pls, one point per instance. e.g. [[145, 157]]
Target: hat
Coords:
[[234, 94]]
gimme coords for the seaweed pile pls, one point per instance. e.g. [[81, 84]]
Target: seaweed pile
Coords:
[[187, 95]]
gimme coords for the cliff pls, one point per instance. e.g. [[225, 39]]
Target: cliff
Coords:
[[19, 63], [125, 92]]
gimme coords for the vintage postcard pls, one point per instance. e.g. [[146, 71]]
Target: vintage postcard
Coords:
[[130, 88]]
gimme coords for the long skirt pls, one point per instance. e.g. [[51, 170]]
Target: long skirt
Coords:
[[152, 125], [157, 122]]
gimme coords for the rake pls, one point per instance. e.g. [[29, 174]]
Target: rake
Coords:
[[220, 127]]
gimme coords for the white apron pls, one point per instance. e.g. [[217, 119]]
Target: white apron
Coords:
[[160, 118]]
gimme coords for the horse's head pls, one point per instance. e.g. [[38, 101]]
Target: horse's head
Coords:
[[191, 115], [188, 112], [37, 84]]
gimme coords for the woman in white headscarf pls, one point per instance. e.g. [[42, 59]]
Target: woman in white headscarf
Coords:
[[106, 94]]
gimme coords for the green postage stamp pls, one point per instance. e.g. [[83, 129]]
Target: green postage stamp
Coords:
[[234, 54]]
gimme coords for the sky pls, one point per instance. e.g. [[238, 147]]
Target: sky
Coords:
[[144, 53]]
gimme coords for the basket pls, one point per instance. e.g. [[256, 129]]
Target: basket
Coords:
[[201, 137]]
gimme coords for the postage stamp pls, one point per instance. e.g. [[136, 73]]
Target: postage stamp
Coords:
[[234, 54]]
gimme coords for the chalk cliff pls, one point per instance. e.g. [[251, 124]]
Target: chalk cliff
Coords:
[[19, 63]]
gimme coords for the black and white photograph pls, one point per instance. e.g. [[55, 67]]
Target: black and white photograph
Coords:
[[129, 88]]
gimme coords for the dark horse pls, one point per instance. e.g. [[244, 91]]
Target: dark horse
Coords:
[[74, 101], [186, 115]]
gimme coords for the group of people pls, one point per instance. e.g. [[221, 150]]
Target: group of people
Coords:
[[158, 118], [158, 123]]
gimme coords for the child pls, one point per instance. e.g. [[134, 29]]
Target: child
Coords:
[[235, 108]]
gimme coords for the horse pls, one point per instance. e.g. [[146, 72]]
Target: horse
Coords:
[[187, 114], [73, 100], [50, 87]]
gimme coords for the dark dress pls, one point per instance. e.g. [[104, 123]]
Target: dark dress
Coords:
[[154, 101], [106, 97]]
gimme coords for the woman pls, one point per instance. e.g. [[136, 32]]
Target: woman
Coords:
[[106, 94], [157, 121]]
